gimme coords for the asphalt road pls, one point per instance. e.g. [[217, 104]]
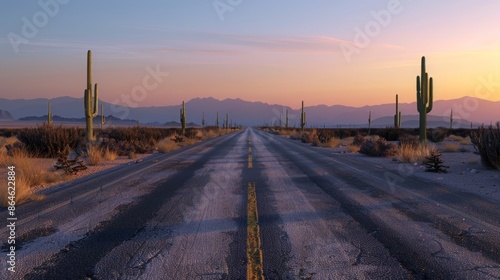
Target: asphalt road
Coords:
[[249, 204]]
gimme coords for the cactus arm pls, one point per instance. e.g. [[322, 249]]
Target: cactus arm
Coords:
[[431, 97]]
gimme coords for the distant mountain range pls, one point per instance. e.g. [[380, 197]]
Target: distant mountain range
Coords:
[[466, 110]]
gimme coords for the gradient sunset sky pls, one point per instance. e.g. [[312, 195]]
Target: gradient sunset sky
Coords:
[[278, 52]]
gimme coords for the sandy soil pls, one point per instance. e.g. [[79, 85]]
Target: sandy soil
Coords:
[[465, 173]]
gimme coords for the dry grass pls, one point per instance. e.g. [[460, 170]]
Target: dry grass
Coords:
[[95, 155], [29, 174], [466, 141], [353, 148], [413, 153], [372, 137], [333, 143], [166, 145], [110, 155], [450, 147], [209, 134], [456, 138], [347, 141]]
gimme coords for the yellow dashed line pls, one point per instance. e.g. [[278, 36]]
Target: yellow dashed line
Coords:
[[254, 252], [250, 162]]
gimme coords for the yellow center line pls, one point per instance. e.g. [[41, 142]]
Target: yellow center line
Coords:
[[254, 253], [250, 160], [250, 163]]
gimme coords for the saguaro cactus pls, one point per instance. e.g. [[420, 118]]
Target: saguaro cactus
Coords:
[[451, 120], [49, 114], [286, 118], [90, 99], [203, 119], [183, 119], [217, 120], [369, 122], [302, 117], [424, 99], [397, 116], [227, 121], [103, 118]]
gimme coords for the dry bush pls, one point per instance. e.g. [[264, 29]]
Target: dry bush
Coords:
[[132, 155], [95, 155], [437, 135], [413, 152], [166, 145], [466, 141], [110, 155], [379, 148], [347, 141], [210, 133], [450, 147], [456, 138], [487, 142], [48, 141], [29, 174], [3, 156], [23, 193], [332, 143], [353, 148], [372, 137]]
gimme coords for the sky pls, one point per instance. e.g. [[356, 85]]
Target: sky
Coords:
[[157, 53]]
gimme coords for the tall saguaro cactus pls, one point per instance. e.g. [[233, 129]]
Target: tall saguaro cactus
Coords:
[[227, 121], [369, 122], [302, 117], [183, 119], [90, 99], [49, 114], [397, 116], [286, 118], [424, 99], [217, 120], [203, 119], [451, 120], [103, 118]]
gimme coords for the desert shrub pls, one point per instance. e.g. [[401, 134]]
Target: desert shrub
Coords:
[[456, 137], [413, 151], [309, 136], [466, 141], [48, 141], [353, 148], [95, 155], [332, 143], [110, 155], [135, 139], [166, 145], [358, 140], [450, 147], [390, 133], [434, 163], [487, 142], [132, 155], [193, 133], [343, 133], [324, 135], [437, 135], [379, 148]]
